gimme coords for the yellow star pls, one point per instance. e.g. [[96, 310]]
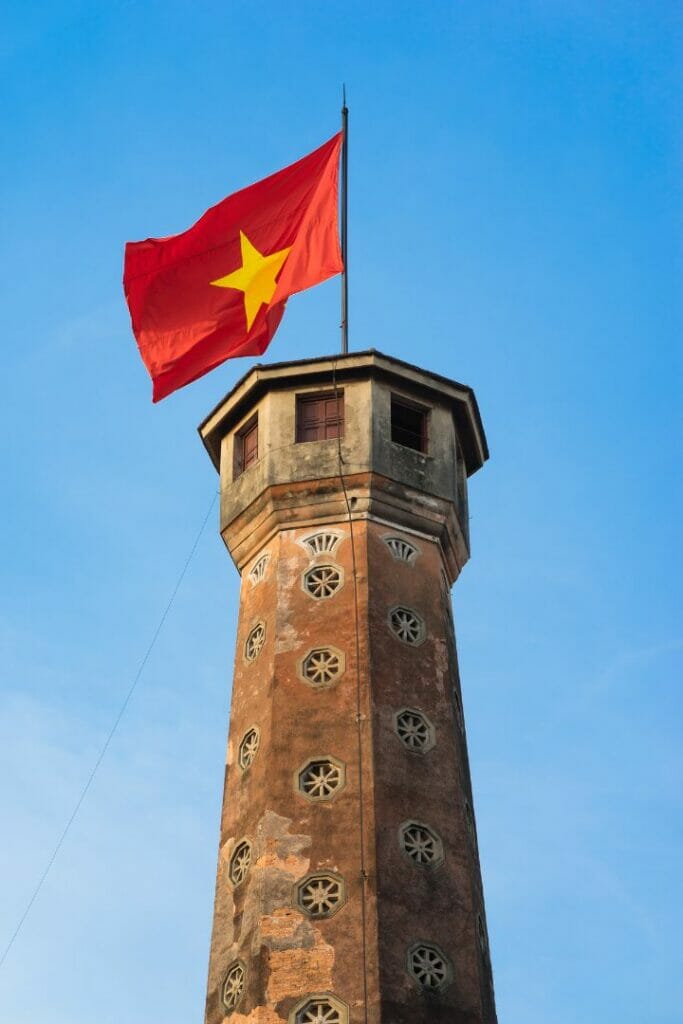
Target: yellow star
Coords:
[[257, 277]]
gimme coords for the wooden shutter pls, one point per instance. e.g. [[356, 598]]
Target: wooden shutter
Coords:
[[320, 417]]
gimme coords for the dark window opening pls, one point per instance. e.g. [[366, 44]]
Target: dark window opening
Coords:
[[246, 447], [461, 491], [320, 417], [408, 425]]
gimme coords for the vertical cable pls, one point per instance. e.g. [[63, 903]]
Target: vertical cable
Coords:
[[359, 716], [109, 738]]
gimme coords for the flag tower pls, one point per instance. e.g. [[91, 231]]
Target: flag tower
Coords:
[[348, 887]]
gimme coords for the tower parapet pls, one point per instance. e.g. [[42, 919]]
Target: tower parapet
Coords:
[[348, 885]]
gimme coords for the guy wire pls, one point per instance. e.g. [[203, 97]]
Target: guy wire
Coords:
[[110, 736]]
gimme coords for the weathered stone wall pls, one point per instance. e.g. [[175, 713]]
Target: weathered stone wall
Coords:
[[438, 903], [259, 922], [288, 954], [348, 865]]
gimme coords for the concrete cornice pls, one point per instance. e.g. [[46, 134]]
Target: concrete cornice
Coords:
[[323, 502]]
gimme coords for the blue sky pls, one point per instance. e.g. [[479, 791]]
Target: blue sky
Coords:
[[515, 223]]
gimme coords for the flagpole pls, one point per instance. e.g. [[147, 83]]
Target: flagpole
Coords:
[[344, 224]]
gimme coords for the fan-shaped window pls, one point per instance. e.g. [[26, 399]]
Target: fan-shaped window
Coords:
[[321, 543], [402, 550], [258, 570]]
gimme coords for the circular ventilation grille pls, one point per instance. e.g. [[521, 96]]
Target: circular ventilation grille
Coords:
[[406, 625], [322, 581], [429, 966], [320, 895], [320, 779], [255, 642], [421, 843], [248, 748], [322, 666], [414, 730], [321, 1010], [233, 986], [240, 862]]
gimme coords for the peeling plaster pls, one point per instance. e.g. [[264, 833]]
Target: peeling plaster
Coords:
[[287, 636], [259, 1015], [287, 639], [292, 950]]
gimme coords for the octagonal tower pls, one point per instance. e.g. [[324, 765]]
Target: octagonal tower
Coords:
[[349, 888]]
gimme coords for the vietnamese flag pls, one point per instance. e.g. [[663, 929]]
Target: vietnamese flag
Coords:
[[219, 289]]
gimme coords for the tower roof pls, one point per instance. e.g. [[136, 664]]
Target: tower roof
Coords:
[[265, 377]]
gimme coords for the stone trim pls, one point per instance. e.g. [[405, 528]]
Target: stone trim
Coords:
[[319, 1006], [255, 641], [405, 623], [406, 833], [320, 792], [321, 582], [232, 989], [419, 957], [305, 901], [240, 863], [247, 750], [418, 737], [322, 667]]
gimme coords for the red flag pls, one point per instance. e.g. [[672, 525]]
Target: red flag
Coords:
[[219, 289]]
